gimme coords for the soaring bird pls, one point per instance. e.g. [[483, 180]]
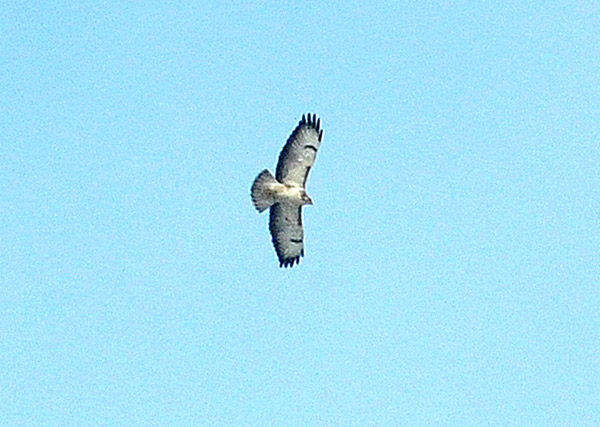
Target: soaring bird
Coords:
[[285, 193]]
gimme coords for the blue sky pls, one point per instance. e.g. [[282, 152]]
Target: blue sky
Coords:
[[452, 262]]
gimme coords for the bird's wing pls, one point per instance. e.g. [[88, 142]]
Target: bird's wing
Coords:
[[285, 223], [299, 153]]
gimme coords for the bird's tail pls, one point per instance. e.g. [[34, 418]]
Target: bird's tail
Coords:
[[262, 197]]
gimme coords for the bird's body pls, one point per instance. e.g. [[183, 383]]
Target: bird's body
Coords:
[[267, 191], [285, 193]]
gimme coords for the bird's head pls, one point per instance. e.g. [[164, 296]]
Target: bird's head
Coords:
[[306, 200]]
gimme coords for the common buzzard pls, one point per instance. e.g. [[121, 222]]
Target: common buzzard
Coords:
[[285, 193]]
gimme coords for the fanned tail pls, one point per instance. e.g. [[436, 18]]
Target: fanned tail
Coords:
[[262, 198]]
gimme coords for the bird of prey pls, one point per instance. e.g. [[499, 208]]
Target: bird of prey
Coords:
[[285, 193]]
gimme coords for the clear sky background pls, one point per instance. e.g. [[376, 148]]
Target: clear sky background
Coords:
[[452, 262]]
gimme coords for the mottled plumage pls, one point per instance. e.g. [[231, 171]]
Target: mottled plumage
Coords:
[[285, 193]]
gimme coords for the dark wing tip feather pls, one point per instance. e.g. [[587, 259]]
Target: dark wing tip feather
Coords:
[[310, 120], [289, 262], [286, 262], [313, 121]]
